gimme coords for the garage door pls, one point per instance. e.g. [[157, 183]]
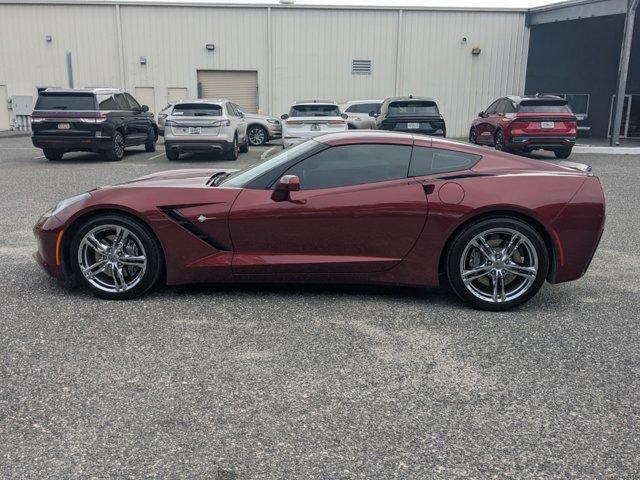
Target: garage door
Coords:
[[146, 96], [4, 109], [240, 87]]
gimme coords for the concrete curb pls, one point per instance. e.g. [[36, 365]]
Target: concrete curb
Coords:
[[13, 133]]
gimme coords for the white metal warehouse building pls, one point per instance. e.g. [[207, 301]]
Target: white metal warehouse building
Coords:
[[264, 57]]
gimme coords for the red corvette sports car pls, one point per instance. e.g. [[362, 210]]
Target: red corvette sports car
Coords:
[[354, 207]]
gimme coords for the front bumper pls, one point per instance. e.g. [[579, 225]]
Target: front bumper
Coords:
[[527, 142], [274, 131], [49, 235], [71, 144]]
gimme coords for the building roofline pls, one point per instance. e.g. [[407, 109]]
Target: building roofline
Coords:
[[217, 4]]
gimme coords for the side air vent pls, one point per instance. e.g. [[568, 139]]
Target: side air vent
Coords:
[[361, 67], [181, 220]]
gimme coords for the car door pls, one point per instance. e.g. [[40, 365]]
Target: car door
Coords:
[[238, 121], [124, 116], [140, 121], [484, 129], [496, 120], [242, 121], [356, 212]]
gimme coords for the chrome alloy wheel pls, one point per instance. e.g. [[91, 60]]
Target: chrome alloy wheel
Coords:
[[499, 265], [112, 258], [257, 136]]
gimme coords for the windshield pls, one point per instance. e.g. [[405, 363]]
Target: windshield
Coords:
[[544, 106], [314, 111], [61, 101], [197, 110], [422, 107], [247, 175]]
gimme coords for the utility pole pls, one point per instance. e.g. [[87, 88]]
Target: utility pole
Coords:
[[623, 68]]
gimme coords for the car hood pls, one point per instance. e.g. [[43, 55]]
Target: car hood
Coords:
[[192, 177]]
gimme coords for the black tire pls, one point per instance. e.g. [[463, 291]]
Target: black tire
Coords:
[[172, 155], [244, 148], [233, 152], [473, 136], [150, 144], [562, 152], [498, 141], [351, 126], [116, 150], [459, 244], [53, 155], [257, 135], [154, 256]]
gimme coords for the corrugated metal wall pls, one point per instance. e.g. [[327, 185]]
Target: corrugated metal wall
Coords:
[[413, 51]]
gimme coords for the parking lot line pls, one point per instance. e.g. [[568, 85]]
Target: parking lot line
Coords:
[[156, 156], [264, 154]]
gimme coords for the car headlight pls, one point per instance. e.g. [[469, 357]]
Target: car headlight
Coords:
[[66, 203], [273, 120]]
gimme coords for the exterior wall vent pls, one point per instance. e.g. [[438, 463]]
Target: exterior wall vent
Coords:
[[361, 67]]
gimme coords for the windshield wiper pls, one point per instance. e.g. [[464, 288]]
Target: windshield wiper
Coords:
[[216, 178]]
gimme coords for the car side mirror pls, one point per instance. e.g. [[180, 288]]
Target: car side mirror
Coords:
[[345, 116], [284, 116], [481, 114], [144, 108], [286, 184], [374, 114]]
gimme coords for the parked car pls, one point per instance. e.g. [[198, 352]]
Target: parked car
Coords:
[[261, 128], [411, 114], [162, 116], [524, 124], [205, 125], [358, 207], [306, 120], [99, 120], [359, 111]]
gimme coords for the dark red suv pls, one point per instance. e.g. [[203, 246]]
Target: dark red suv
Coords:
[[523, 124]]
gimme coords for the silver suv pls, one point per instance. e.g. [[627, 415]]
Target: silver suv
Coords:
[[205, 125], [261, 128]]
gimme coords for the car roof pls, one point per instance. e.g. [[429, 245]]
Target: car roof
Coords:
[[316, 102], [520, 98], [366, 136], [203, 100], [83, 90], [411, 97], [358, 102]]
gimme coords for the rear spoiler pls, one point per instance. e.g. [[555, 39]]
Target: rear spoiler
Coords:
[[575, 165]]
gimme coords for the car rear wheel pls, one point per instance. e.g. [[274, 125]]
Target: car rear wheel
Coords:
[[562, 152], [234, 151], [244, 148], [498, 141], [53, 155], [497, 263], [257, 135], [116, 257], [116, 150], [150, 144], [473, 136], [172, 155]]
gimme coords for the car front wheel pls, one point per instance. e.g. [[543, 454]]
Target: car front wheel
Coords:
[[472, 136], [116, 257], [562, 152], [116, 149], [150, 144], [497, 263]]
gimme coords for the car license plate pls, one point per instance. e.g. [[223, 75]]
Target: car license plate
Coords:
[[547, 124], [413, 125], [64, 126], [315, 127], [195, 130]]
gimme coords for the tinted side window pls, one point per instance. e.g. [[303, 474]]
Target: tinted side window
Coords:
[[133, 103], [353, 165], [491, 109], [121, 102], [107, 102], [425, 161]]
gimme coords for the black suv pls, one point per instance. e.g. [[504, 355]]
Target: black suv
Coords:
[[100, 120], [411, 114]]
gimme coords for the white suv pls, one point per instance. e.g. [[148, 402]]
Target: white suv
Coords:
[[310, 119], [205, 126], [359, 111]]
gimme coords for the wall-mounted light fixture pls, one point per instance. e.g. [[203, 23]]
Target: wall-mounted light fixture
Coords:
[[48, 38], [476, 51], [464, 40], [143, 60], [210, 47]]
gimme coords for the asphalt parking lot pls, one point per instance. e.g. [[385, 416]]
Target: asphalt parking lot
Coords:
[[239, 382]]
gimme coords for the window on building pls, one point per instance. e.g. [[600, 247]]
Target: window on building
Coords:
[[353, 165]]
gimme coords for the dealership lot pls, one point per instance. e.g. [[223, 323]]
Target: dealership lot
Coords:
[[311, 382]]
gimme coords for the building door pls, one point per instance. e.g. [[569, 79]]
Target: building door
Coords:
[[241, 87], [4, 108], [146, 96], [175, 94]]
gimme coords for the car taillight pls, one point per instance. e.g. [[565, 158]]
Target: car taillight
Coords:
[[294, 122], [223, 123], [336, 122]]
